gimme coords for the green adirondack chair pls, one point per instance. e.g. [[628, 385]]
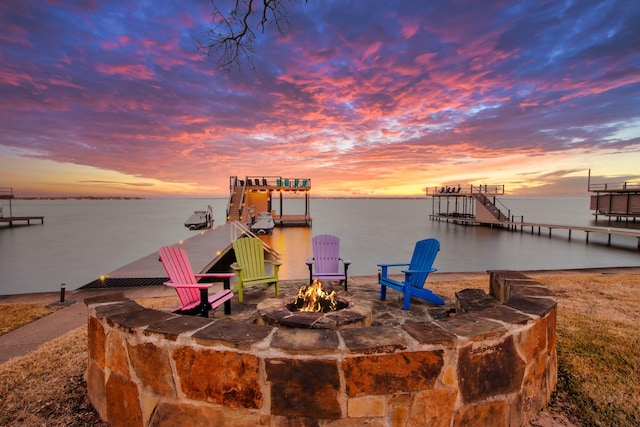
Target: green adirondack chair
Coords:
[[251, 265]]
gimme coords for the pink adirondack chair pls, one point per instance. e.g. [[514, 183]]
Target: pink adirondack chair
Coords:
[[326, 260], [194, 298]]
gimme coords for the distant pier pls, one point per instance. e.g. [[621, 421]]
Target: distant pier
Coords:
[[21, 220], [479, 205], [6, 193]]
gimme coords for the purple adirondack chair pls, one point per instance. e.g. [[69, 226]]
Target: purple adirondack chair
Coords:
[[194, 298], [325, 264]]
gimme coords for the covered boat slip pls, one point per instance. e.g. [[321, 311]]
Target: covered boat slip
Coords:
[[619, 201], [254, 194]]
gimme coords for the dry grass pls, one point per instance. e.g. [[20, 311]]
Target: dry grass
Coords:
[[47, 387], [598, 357], [12, 316], [599, 347], [159, 303]]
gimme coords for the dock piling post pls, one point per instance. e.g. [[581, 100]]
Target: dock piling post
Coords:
[[62, 291]]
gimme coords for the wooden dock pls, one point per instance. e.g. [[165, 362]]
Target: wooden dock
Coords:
[[205, 250], [6, 193], [292, 220], [521, 226], [21, 220]]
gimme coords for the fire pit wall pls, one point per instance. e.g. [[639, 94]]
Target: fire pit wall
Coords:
[[495, 366]]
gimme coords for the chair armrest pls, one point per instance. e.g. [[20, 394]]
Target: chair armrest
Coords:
[[391, 265], [419, 271], [189, 285], [278, 263], [214, 275]]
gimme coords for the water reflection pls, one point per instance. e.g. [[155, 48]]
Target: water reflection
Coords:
[[294, 250]]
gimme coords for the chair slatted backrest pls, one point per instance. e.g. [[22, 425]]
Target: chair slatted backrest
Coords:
[[326, 253], [178, 268], [250, 255], [424, 254]]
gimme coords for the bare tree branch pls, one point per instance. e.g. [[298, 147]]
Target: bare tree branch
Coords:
[[231, 37]]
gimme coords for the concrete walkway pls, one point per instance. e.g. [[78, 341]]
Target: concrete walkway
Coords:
[[27, 338]]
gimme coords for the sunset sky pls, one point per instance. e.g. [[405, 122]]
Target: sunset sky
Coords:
[[365, 98]]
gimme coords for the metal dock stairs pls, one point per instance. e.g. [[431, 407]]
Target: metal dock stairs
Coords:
[[490, 207]]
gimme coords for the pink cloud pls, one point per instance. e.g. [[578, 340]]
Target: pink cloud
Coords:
[[127, 71]]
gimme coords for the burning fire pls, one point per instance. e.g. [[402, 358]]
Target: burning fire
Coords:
[[314, 298]]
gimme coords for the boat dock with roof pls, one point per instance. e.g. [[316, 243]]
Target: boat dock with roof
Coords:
[[210, 250], [254, 194], [617, 201], [479, 205]]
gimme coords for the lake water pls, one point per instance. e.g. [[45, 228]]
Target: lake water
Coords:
[[84, 239]]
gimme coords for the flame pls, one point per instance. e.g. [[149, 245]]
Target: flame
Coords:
[[314, 298]]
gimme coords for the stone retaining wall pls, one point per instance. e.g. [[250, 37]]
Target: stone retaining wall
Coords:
[[489, 365]]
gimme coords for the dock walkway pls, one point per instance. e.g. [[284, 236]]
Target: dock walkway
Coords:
[[204, 250], [18, 219], [514, 226], [6, 193]]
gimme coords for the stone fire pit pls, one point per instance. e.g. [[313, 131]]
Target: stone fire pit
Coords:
[[350, 314], [493, 363]]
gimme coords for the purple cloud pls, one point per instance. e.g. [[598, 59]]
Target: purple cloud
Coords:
[[359, 87]]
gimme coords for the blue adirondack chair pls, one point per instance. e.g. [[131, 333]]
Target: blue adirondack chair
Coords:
[[415, 275], [326, 260]]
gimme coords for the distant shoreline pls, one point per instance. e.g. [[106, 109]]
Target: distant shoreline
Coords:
[[79, 198]]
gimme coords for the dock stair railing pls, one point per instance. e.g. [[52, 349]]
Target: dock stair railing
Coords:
[[238, 230], [491, 206], [504, 208], [236, 199]]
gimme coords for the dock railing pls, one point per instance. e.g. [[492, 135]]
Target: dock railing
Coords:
[[615, 186], [446, 190], [238, 230], [501, 206], [233, 183], [6, 192], [493, 189]]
